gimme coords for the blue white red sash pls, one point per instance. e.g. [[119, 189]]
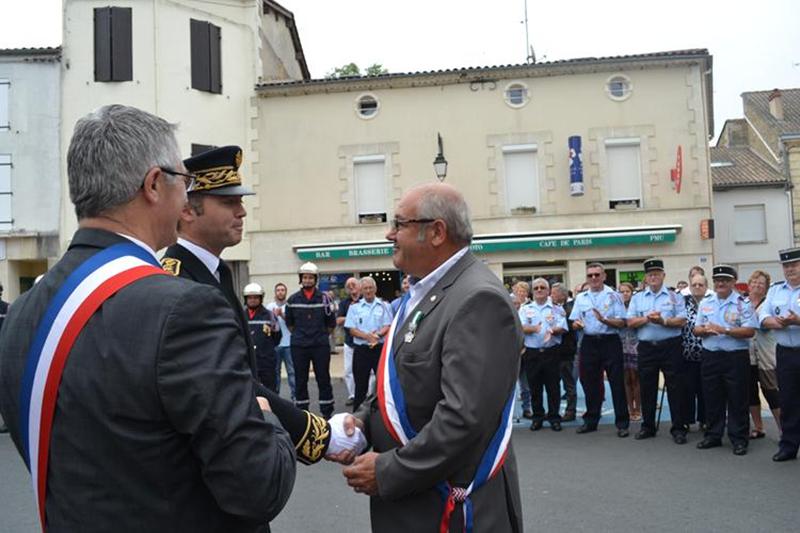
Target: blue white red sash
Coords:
[[83, 292], [393, 411]]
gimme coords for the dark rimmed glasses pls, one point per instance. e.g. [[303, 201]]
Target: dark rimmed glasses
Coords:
[[189, 180], [397, 223]]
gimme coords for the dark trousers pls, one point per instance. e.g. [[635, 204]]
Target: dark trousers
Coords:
[[320, 356], [566, 368], [365, 359], [663, 356], [603, 353], [694, 404], [267, 378], [541, 368], [788, 369], [725, 377]]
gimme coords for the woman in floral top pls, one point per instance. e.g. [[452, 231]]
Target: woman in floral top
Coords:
[[692, 347], [630, 356]]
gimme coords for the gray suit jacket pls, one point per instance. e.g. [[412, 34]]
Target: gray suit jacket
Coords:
[[456, 375], [156, 425]]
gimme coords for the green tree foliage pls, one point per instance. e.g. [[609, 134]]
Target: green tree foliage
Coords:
[[351, 69]]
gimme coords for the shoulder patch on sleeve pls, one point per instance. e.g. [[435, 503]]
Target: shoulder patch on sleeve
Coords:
[[171, 265]]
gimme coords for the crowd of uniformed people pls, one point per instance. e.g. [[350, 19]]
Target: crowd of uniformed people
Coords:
[[714, 348]]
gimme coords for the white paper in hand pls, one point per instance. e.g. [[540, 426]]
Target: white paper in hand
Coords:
[[340, 442]]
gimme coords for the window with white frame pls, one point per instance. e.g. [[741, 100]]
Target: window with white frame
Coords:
[[369, 179], [516, 94], [624, 170], [6, 219], [5, 85], [619, 87], [521, 179], [749, 224]]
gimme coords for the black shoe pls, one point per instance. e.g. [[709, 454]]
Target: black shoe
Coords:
[[707, 443], [740, 449], [679, 438], [3, 428], [784, 455], [555, 426], [585, 429], [536, 425], [622, 433], [569, 416], [644, 434], [527, 413]]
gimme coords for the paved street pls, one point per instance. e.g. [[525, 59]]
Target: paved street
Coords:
[[595, 482]]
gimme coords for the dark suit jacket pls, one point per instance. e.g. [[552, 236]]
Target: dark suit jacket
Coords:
[[457, 375], [309, 433], [156, 425]]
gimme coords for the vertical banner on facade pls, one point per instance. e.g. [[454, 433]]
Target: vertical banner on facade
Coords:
[[676, 174], [575, 166]]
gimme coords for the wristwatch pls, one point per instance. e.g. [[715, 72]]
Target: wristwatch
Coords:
[[727, 330]]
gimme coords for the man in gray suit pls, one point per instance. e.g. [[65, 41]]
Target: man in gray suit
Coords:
[[156, 423], [455, 353]]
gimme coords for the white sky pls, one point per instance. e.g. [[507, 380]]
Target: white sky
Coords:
[[756, 45]]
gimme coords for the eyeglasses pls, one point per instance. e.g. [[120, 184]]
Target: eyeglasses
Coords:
[[540, 288], [397, 223], [593, 275], [189, 180]]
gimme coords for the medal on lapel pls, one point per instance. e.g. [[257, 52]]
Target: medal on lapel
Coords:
[[412, 328]]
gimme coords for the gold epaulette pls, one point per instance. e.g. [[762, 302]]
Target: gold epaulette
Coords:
[[171, 265], [311, 447]]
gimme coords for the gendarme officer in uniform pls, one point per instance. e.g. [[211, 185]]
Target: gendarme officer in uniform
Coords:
[[211, 221], [599, 312], [725, 322], [781, 312], [543, 323], [658, 314]]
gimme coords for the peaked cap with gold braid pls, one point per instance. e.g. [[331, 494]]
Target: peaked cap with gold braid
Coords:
[[217, 172]]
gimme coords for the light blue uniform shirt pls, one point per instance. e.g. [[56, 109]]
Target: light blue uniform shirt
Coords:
[[608, 302], [781, 298], [286, 335], [548, 314], [667, 302], [368, 317], [732, 312]]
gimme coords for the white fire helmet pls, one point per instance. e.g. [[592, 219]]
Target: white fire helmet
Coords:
[[253, 289]]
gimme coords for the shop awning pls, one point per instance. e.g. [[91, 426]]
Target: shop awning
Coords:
[[483, 244]]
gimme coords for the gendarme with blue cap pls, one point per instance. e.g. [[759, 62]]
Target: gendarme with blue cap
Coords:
[[724, 271], [789, 255], [217, 172]]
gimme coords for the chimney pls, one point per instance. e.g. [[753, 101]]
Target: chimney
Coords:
[[776, 104]]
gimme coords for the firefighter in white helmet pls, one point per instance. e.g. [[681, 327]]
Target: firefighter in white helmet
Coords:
[[310, 318], [264, 332]]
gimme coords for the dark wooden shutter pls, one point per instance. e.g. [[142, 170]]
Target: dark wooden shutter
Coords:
[[121, 47], [200, 56], [102, 44], [215, 60]]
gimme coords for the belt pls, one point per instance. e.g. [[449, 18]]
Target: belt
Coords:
[[542, 350], [789, 348], [600, 335], [662, 341]]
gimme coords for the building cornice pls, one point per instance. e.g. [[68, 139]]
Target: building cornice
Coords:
[[471, 75]]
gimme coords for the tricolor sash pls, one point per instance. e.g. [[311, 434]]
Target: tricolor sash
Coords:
[[83, 292], [393, 411]]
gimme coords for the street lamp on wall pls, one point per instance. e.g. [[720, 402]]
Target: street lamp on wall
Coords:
[[440, 163]]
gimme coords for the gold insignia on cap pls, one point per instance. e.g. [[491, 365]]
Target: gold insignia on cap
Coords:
[[238, 159], [171, 265], [213, 178], [312, 446]]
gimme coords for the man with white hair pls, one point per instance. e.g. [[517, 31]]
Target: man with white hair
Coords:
[[440, 424], [136, 410]]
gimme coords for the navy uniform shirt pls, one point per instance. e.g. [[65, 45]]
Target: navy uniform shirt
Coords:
[[782, 298], [550, 316], [732, 312], [667, 302], [368, 317], [607, 301]]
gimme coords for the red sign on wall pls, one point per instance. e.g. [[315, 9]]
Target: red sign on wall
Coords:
[[675, 174]]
